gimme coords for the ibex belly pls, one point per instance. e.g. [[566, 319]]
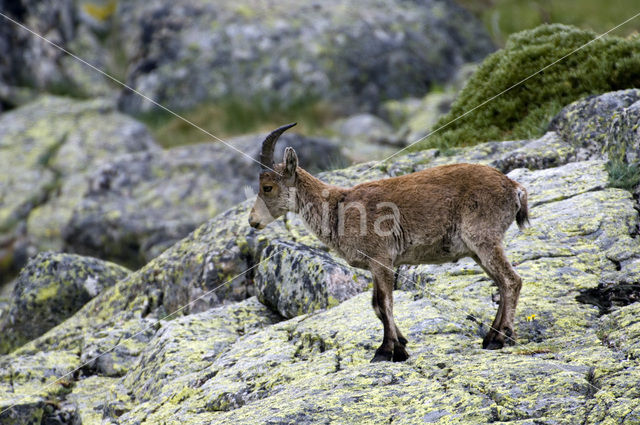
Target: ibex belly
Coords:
[[436, 250]]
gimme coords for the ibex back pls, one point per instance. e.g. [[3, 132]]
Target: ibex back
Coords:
[[436, 215]]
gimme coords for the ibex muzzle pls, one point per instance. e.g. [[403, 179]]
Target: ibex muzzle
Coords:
[[436, 215]]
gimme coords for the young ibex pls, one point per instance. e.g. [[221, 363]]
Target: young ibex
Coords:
[[436, 215]]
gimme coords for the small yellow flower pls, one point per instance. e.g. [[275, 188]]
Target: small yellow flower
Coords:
[[531, 318]]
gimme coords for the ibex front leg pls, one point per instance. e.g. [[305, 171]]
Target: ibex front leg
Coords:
[[393, 342]]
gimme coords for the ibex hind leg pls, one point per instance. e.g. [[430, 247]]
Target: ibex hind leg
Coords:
[[374, 303], [492, 259]]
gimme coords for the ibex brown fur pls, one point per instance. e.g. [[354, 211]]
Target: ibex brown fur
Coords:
[[436, 215]]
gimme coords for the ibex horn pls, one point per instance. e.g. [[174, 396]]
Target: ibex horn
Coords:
[[269, 144]]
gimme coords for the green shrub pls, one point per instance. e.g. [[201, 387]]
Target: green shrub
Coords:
[[607, 64]]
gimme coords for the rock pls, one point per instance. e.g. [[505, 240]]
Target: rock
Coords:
[[603, 124], [312, 370], [205, 336], [547, 151], [366, 127], [365, 137], [139, 205], [621, 330], [46, 147], [95, 395], [29, 384], [92, 397], [107, 354], [298, 279], [31, 66], [420, 123], [415, 118], [291, 52], [51, 288]]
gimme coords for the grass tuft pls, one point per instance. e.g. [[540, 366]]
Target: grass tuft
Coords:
[[231, 117], [623, 175]]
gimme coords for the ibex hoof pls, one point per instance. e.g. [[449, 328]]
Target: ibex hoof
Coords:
[[399, 353], [381, 356], [403, 341], [496, 340], [492, 344]]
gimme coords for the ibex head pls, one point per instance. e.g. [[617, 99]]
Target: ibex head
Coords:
[[275, 196]]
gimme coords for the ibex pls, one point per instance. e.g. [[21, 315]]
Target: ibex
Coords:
[[437, 215]]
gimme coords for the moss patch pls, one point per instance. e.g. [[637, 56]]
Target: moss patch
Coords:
[[609, 63]]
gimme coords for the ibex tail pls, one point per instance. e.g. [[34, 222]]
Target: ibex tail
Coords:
[[522, 216]]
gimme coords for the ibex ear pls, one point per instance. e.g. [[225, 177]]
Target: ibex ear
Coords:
[[290, 162]]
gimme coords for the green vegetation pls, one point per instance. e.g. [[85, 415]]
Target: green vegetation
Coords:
[[623, 175], [607, 64], [621, 148], [505, 17], [233, 117]]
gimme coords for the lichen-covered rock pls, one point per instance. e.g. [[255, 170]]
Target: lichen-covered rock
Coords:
[[314, 369], [140, 204], [205, 337], [51, 288], [185, 52], [537, 154], [30, 384], [100, 397], [114, 350], [621, 330], [238, 363], [546, 152], [298, 279], [93, 397], [603, 124], [45, 148]]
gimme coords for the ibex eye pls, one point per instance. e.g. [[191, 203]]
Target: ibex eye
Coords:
[[266, 188]]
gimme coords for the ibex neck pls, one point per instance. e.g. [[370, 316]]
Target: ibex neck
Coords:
[[317, 204]]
